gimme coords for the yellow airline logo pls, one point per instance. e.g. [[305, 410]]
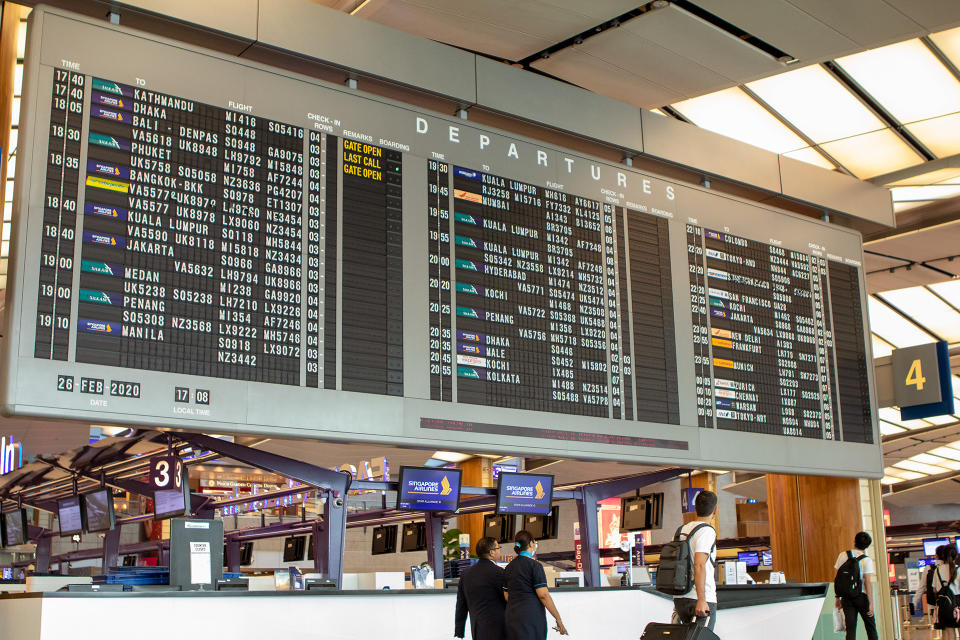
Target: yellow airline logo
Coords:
[[446, 486], [540, 492]]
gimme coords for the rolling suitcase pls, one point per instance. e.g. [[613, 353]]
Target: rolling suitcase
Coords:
[[691, 631]]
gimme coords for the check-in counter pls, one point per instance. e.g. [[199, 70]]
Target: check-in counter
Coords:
[[746, 613]]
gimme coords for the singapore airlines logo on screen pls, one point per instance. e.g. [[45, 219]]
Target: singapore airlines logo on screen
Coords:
[[430, 487], [540, 492]]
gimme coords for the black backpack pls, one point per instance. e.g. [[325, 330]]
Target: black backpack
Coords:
[[848, 584], [675, 573], [946, 603]]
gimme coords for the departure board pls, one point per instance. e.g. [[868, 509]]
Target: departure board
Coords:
[[270, 254]]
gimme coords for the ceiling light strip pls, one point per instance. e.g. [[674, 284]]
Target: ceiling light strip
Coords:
[[906, 317], [800, 134], [673, 113], [878, 110], [738, 33], [940, 297], [941, 56]]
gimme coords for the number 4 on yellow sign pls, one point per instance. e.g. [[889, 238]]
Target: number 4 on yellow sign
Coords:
[[915, 375]]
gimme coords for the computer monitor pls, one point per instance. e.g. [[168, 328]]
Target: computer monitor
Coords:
[[14, 527], [246, 554], [930, 545], [98, 510], [926, 562], [414, 537], [751, 558], [129, 561], [70, 516], [499, 527], [524, 493], [173, 503], [640, 513], [568, 581], [293, 548], [543, 527], [766, 558], [384, 540], [428, 489]]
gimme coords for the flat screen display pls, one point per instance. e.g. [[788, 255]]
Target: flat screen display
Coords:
[[423, 489], [172, 503], [766, 558], [414, 537], [70, 516], [930, 545], [15, 527], [524, 493], [294, 548], [751, 558], [98, 507], [183, 254], [384, 540]]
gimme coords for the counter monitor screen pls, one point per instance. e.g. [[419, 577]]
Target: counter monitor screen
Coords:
[[98, 507], [384, 540], [424, 489], [926, 562], [751, 558], [766, 558], [294, 548], [70, 516], [414, 537], [15, 527], [524, 493], [172, 503], [542, 527], [930, 545]]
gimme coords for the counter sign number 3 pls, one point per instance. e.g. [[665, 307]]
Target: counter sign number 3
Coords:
[[166, 473]]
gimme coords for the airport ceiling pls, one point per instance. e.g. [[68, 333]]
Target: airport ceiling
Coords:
[[866, 87]]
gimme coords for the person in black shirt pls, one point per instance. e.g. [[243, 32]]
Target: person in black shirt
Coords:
[[527, 594], [480, 593]]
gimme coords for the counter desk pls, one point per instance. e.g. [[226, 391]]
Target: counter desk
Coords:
[[746, 613]]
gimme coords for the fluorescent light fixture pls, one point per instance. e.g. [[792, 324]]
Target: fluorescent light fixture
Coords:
[[936, 315], [924, 194], [947, 452], [880, 347], [888, 429], [892, 415], [873, 154], [21, 39], [902, 474], [919, 467], [940, 135], [949, 291], [893, 327], [816, 104], [451, 456], [905, 206], [949, 42], [890, 480], [906, 79], [358, 7], [810, 156], [18, 80], [927, 458], [953, 465], [734, 114]]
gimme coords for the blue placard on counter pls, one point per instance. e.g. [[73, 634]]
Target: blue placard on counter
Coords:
[[424, 489], [526, 493]]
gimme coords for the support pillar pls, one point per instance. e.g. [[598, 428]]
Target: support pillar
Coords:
[[333, 536], [319, 557], [472, 471], [111, 549], [233, 554], [435, 544]]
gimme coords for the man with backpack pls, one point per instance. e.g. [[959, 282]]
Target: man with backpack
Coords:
[[853, 586], [695, 543]]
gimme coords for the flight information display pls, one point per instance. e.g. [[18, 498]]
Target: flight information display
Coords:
[[270, 254]]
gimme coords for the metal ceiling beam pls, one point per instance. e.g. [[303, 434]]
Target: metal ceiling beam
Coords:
[[914, 433], [948, 162], [911, 485], [871, 103]]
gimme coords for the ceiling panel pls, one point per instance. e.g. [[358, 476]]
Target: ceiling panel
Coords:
[[867, 22], [701, 43], [931, 14], [502, 28], [927, 244], [590, 72], [784, 26]]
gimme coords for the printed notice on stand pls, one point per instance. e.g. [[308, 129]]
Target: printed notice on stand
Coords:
[[200, 563]]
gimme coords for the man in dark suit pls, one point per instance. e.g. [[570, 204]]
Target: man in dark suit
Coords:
[[480, 593]]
